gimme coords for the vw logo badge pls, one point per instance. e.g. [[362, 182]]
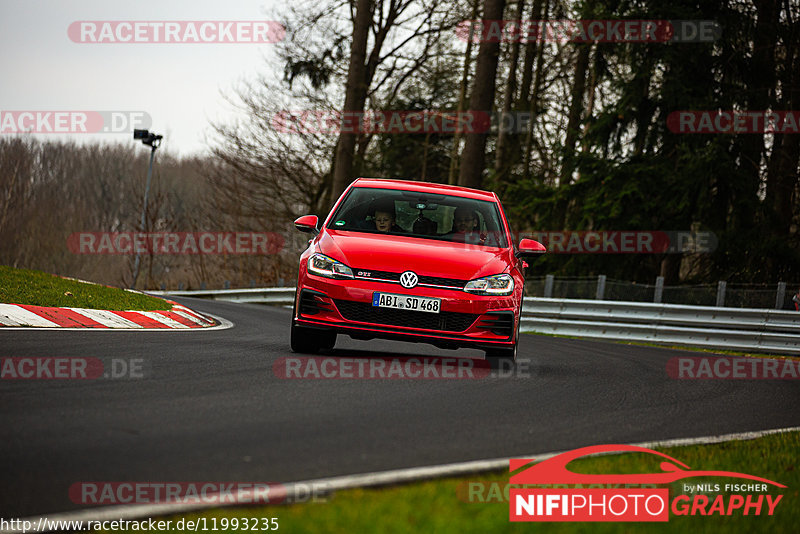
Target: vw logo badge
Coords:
[[408, 279]]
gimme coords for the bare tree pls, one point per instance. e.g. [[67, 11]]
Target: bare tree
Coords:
[[356, 88], [473, 157]]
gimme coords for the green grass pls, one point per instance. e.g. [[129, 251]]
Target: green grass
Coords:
[[442, 506], [23, 286]]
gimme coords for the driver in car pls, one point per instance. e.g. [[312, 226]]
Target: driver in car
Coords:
[[466, 228], [465, 221]]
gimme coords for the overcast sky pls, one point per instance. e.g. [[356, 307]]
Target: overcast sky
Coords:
[[178, 85]]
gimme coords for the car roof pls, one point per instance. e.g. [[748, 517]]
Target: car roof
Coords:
[[425, 187]]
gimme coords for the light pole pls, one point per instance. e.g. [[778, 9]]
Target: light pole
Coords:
[[153, 141]]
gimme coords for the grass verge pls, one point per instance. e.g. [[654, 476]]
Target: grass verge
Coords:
[[443, 506], [23, 286]]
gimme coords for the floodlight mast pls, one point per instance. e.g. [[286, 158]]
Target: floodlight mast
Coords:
[[152, 140]]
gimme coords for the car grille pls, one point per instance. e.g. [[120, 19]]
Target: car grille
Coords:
[[424, 280], [439, 281], [383, 275], [367, 313]]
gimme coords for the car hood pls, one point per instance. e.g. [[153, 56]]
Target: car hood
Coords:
[[427, 257]]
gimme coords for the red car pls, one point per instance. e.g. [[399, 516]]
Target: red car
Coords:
[[413, 261]]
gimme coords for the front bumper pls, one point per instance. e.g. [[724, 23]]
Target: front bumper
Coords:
[[465, 320]]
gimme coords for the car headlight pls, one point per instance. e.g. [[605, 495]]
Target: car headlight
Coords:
[[499, 284], [322, 265]]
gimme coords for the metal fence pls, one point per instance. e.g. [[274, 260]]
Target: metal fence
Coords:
[[721, 294], [710, 327]]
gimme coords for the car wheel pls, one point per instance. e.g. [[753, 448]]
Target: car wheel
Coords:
[[311, 341], [504, 357]]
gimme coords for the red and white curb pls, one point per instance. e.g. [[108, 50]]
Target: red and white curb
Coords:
[[178, 318]]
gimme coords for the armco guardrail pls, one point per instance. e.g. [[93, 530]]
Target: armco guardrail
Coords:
[[765, 330], [258, 295], [737, 329]]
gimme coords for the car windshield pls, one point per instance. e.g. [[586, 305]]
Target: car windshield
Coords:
[[424, 215]]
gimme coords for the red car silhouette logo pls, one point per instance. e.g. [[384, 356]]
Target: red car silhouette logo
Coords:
[[554, 470]]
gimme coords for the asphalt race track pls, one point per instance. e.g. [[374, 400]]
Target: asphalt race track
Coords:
[[210, 409]]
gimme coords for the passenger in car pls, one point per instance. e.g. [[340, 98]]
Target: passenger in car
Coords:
[[385, 218]]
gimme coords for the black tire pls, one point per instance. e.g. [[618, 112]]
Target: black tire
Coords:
[[502, 358], [505, 357], [310, 340]]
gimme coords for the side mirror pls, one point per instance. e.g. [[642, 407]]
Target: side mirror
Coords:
[[529, 247], [307, 224]]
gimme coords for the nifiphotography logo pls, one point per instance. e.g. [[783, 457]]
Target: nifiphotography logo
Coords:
[[610, 503]]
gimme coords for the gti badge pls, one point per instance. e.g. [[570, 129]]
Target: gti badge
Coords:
[[409, 279]]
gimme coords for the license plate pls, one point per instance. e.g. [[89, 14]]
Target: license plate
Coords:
[[406, 302]]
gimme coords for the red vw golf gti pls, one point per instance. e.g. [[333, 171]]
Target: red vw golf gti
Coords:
[[413, 261]]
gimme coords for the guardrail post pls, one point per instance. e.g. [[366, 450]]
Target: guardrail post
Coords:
[[721, 285], [659, 291], [781, 296], [227, 284], [601, 286], [548, 286]]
